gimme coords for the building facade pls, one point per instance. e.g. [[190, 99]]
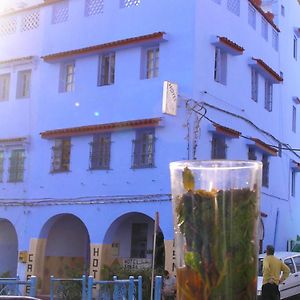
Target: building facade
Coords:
[[97, 97]]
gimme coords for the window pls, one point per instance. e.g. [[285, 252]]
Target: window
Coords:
[[61, 155], [220, 71], [139, 232], [100, 151], [16, 167], [297, 263], [106, 69], [218, 147], [268, 95], [4, 86], [254, 85], [282, 9], [143, 148], [290, 264], [265, 170], [129, 3], [264, 29], [217, 1], [1, 165], [234, 6], [293, 183], [252, 16], [23, 84], [251, 153], [152, 62], [60, 12], [295, 47], [275, 39], [294, 119], [93, 7], [67, 77]]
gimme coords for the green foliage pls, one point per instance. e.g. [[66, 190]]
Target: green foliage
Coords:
[[5, 274]]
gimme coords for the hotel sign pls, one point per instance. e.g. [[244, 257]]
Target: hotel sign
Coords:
[[170, 96]]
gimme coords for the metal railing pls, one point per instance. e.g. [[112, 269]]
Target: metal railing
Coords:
[[11, 286]]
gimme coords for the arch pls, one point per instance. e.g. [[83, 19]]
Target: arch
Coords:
[[8, 249]]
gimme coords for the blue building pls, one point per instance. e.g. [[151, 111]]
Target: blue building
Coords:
[[97, 97]]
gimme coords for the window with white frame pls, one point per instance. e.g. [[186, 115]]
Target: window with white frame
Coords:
[[268, 95], [252, 16], [61, 152], [93, 7], [144, 148], [295, 47], [106, 74], [100, 151], [23, 84], [265, 170], [275, 38], [218, 147], [264, 28], [67, 77], [293, 183], [254, 84], [60, 12], [1, 165], [16, 166], [251, 153], [294, 119], [220, 71], [4, 86], [151, 62], [129, 3], [234, 6]]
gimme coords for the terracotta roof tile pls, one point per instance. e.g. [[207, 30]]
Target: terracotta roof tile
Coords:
[[13, 140], [16, 60], [226, 131], [268, 69], [92, 129], [106, 46], [230, 43], [264, 147]]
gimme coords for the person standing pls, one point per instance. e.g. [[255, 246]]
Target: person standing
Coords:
[[169, 286], [272, 268]]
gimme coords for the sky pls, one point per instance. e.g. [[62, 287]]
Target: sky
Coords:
[[6, 5]]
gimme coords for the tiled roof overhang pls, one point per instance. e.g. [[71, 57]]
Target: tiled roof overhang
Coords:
[[143, 39], [12, 142], [227, 45], [17, 61], [264, 14], [263, 147], [296, 100], [92, 129], [222, 130], [295, 166], [265, 70]]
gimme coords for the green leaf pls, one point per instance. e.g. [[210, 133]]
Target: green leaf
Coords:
[[188, 179]]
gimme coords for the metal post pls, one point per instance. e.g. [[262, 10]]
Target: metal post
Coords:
[[51, 287], [33, 281], [83, 288], [156, 224], [90, 288], [158, 282], [116, 288], [131, 288], [17, 285], [140, 288]]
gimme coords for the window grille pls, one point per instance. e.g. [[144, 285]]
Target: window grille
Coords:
[[1, 165], [129, 3], [4, 86], [23, 84], [8, 26], [294, 119], [251, 153], [234, 6], [218, 147], [61, 155], [144, 148], [293, 184], [100, 151], [254, 85], [16, 168], [94, 7], [60, 12], [265, 170], [264, 28], [139, 234], [106, 69], [30, 21], [67, 77], [268, 95], [275, 38], [220, 71], [252, 16], [152, 64]]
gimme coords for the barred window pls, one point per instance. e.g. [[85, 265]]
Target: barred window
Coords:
[[254, 85], [143, 148], [275, 38], [268, 95], [294, 119], [61, 155], [265, 170], [16, 167], [67, 77], [23, 84], [152, 64], [264, 28], [293, 184], [60, 12], [251, 153], [4, 86], [100, 151], [218, 147], [106, 74], [93, 7], [252, 16], [129, 3], [234, 6], [1, 165]]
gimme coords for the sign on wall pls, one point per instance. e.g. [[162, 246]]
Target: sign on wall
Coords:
[[170, 96]]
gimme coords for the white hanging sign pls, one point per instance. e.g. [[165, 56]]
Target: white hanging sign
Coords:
[[170, 96]]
